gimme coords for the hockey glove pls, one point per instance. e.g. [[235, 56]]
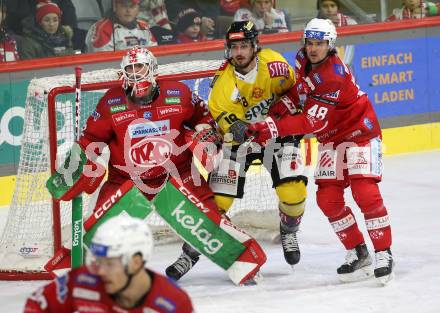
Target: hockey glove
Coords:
[[78, 174], [238, 129], [304, 86], [205, 143], [263, 131], [283, 107]]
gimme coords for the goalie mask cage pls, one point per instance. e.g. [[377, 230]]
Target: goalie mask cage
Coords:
[[36, 225]]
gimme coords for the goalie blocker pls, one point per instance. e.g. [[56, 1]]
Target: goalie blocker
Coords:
[[209, 232]]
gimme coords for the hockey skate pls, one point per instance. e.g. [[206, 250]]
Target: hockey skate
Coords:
[[289, 242], [183, 264], [357, 265], [383, 270]]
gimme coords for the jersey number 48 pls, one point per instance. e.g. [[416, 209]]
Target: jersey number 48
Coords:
[[318, 111]]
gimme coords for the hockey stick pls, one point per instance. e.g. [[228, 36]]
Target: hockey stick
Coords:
[[77, 205]]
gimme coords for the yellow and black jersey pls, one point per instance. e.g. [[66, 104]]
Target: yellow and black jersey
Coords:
[[248, 97]]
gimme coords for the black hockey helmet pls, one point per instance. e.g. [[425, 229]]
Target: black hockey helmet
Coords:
[[243, 30]]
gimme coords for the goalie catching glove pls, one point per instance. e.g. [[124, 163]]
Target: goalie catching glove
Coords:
[[78, 174], [205, 144]]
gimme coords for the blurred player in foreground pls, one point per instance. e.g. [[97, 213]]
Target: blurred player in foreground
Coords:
[[115, 278]]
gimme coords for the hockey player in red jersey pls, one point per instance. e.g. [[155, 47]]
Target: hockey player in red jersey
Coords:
[[145, 124], [114, 279], [344, 122]]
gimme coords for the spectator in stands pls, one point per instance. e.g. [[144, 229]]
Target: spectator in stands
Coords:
[[8, 45], [266, 18], [19, 10], [43, 35], [154, 13], [414, 9], [120, 30], [189, 26], [329, 9], [209, 10]]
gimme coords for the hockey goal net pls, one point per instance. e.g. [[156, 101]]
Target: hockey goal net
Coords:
[[36, 225]]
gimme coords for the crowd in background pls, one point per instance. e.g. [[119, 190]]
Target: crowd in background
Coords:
[[45, 28]]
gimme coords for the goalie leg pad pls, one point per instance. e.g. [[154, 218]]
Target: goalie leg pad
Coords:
[[209, 232]]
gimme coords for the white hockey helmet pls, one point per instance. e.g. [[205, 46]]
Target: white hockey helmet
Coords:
[[139, 81], [121, 236], [321, 29]]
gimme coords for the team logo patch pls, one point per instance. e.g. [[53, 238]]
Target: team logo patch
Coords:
[[278, 69], [115, 101], [339, 69], [150, 152], [257, 93], [124, 117], [164, 111], [368, 123], [148, 115], [95, 115], [172, 100], [317, 78], [332, 95], [149, 129], [118, 108], [173, 92]]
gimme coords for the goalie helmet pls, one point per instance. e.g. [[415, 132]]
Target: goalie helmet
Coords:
[[240, 31], [321, 29], [137, 81], [121, 236]]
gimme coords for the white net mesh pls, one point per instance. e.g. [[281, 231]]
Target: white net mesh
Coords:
[[27, 240]]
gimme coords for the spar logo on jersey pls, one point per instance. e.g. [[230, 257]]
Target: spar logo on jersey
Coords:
[[150, 152], [149, 129], [168, 110], [278, 69], [259, 110], [124, 117]]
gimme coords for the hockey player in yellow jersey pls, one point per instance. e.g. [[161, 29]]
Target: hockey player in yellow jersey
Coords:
[[249, 81]]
